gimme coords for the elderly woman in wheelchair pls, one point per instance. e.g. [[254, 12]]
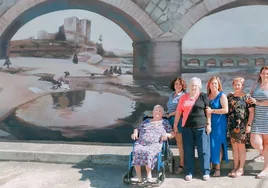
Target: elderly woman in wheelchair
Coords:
[[149, 136]]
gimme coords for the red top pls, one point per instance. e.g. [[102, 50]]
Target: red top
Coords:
[[185, 105]]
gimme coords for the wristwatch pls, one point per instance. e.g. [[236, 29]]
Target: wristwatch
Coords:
[[249, 125]]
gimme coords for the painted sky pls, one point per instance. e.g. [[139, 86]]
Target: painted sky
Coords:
[[239, 27], [113, 36]]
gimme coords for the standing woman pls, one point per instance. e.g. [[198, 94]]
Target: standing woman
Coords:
[[259, 130], [240, 117], [218, 138], [179, 87], [196, 126]]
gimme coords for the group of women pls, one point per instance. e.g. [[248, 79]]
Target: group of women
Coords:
[[207, 120]]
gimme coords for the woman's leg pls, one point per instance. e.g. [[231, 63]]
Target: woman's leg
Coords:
[[235, 155], [178, 138], [202, 141], [188, 147], [217, 172], [265, 153], [149, 172], [256, 141], [264, 172], [235, 152], [242, 155], [138, 177], [241, 158], [138, 171]]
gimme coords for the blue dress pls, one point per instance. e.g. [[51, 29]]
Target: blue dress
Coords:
[[218, 135]]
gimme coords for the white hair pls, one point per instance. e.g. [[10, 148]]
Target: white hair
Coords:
[[159, 106], [197, 81]]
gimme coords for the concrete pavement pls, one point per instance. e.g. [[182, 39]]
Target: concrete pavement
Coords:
[[44, 175]]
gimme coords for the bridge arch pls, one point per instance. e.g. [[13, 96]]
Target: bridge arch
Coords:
[[260, 62], [211, 62], [227, 63], [206, 8], [193, 62], [140, 27], [142, 23], [132, 19], [243, 62]]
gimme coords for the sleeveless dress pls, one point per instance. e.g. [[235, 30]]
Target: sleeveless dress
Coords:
[[260, 121], [218, 135]]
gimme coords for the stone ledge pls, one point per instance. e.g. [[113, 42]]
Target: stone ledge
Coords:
[[109, 154]]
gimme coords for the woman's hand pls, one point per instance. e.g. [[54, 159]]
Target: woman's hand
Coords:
[[248, 129], [208, 128], [209, 110], [163, 138], [134, 136], [167, 115], [252, 100]]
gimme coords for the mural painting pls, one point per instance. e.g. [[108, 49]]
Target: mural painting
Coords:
[[98, 99]]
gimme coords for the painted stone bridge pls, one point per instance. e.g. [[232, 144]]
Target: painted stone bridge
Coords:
[[156, 27], [227, 60]]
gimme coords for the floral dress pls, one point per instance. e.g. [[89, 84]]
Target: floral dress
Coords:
[[148, 145], [238, 118]]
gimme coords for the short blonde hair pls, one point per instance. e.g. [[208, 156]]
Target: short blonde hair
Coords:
[[239, 79], [197, 80]]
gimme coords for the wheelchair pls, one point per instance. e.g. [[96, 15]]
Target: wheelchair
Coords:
[[165, 161]]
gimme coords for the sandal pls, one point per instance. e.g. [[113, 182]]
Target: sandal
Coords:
[[150, 180], [212, 171], [179, 170], [263, 174], [217, 173], [259, 158], [136, 180], [238, 173], [232, 173]]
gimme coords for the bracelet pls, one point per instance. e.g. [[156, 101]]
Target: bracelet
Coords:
[[214, 111]]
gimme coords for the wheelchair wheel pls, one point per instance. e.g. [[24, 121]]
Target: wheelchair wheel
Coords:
[[127, 177], [161, 176]]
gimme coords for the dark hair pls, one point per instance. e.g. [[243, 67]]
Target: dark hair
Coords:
[[67, 73], [182, 82], [263, 68]]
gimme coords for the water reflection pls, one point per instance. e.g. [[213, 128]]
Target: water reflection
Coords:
[[72, 113], [68, 99]]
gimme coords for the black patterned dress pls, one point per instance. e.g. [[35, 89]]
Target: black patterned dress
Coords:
[[238, 118]]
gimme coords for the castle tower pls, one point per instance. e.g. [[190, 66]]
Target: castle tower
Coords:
[[86, 29]]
